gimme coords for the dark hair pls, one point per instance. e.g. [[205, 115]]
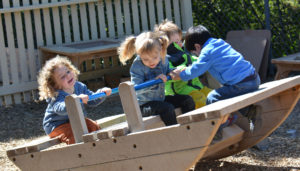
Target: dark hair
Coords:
[[196, 35]]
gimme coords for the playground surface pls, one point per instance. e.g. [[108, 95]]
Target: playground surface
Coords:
[[281, 150]]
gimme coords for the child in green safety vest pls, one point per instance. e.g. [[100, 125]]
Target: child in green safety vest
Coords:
[[180, 59]]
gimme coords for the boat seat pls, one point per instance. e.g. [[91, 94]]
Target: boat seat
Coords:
[[254, 45], [115, 126]]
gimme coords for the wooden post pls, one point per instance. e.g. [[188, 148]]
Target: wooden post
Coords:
[[131, 107], [76, 117], [186, 14]]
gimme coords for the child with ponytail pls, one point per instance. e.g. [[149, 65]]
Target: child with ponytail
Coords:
[[150, 63]]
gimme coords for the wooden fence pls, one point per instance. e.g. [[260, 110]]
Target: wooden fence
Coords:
[[26, 25]]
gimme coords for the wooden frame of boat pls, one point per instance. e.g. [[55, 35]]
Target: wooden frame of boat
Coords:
[[146, 144]]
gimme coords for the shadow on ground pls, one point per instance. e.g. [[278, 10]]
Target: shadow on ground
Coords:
[[224, 166]]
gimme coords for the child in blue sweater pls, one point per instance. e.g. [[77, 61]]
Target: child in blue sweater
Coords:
[[58, 79], [225, 64]]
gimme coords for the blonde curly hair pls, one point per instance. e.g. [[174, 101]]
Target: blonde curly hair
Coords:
[[146, 42], [47, 85]]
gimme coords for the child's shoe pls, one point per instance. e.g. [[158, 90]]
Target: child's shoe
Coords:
[[218, 136], [231, 120], [254, 118]]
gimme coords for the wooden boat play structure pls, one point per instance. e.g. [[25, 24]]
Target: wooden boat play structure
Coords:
[[146, 144]]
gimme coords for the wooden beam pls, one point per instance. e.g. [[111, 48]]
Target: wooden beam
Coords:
[[131, 107], [41, 6], [33, 146], [76, 117]]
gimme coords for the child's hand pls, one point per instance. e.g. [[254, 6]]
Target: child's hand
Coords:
[[106, 90], [175, 74], [162, 77], [84, 98]]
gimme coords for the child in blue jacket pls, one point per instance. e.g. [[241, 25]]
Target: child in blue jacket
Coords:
[[225, 64]]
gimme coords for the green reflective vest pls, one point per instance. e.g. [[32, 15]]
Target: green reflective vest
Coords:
[[180, 59]]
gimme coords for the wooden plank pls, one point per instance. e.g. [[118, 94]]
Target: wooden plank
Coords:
[[177, 12], [93, 19], [57, 26], [75, 23], [115, 61], [289, 59], [30, 47], [135, 15], [47, 24], [119, 18], [151, 11], [15, 88], [144, 15], [111, 120], [33, 146], [168, 9], [84, 23], [131, 107], [233, 104], [14, 69], [28, 7], [22, 54], [89, 65], [160, 13], [38, 30], [101, 72], [106, 62], [127, 19], [172, 140], [102, 23], [66, 24], [43, 144], [274, 111], [4, 64], [76, 117], [110, 19], [186, 14]]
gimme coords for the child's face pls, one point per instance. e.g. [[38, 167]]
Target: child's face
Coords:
[[197, 49], [151, 59], [64, 78], [175, 37]]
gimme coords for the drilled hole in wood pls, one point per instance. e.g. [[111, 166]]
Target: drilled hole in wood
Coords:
[[31, 155], [231, 147], [79, 155], [14, 159], [188, 127], [134, 146], [141, 168], [94, 144], [115, 141], [212, 122]]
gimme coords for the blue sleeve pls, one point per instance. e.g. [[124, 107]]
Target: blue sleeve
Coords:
[[197, 68], [96, 102], [84, 90], [59, 105]]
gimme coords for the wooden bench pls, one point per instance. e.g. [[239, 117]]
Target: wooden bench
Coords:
[[286, 64], [94, 29]]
